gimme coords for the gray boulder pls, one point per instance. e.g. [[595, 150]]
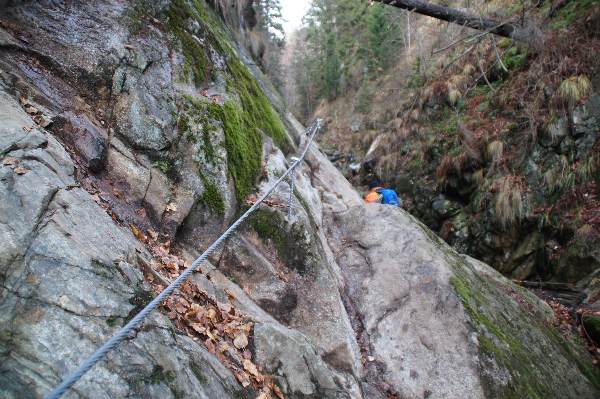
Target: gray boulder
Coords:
[[66, 287], [440, 325]]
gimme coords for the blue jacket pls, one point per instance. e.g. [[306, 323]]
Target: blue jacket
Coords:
[[389, 197]]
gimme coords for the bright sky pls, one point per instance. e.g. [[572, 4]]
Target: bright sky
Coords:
[[293, 11]]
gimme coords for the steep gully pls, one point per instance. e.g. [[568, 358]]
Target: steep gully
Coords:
[[427, 321]]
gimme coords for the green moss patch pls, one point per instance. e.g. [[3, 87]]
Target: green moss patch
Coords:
[[195, 112], [573, 11], [247, 116], [259, 112], [292, 245], [517, 340], [592, 326], [211, 197], [164, 165], [196, 61], [139, 302], [159, 375], [514, 58]]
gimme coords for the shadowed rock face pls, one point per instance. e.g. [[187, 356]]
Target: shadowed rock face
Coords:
[[348, 301]]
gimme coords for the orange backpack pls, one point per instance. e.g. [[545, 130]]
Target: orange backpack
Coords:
[[373, 196]]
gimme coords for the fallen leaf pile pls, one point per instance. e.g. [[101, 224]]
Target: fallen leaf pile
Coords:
[[218, 326], [568, 325], [563, 320], [37, 116], [13, 163]]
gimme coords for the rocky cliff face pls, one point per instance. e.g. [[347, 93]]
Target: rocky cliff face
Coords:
[[132, 134]]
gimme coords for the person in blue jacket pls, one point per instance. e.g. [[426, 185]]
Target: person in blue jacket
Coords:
[[382, 195]]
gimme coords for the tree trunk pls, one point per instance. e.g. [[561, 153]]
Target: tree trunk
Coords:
[[505, 29]]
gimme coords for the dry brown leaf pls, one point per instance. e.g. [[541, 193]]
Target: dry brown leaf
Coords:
[[242, 378], [263, 395], [172, 314], [180, 307], [153, 234], [210, 335], [137, 233], [199, 328], [223, 347], [211, 314], [9, 161], [247, 327], [43, 121], [194, 308], [277, 391], [210, 346], [21, 170], [230, 294], [282, 276], [251, 368], [30, 109], [240, 341]]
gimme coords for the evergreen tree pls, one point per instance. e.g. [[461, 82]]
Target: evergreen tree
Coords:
[[385, 35], [271, 19], [347, 39]]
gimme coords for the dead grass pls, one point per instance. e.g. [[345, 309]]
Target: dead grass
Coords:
[[509, 204], [572, 91], [495, 150]]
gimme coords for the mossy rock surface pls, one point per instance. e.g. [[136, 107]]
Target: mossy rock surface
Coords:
[[449, 324], [592, 326], [515, 333], [245, 114], [294, 243]]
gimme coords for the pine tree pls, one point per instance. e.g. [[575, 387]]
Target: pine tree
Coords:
[[271, 19]]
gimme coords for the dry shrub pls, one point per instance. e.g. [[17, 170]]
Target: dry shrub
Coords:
[[439, 91], [414, 115], [468, 69], [453, 95], [366, 139], [450, 165], [592, 23], [566, 56], [586, 233], [458, 81], [562, 178], [388, 166], [509, 205], [478, 177], [444, 169], [470, 142], [588, 168]]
